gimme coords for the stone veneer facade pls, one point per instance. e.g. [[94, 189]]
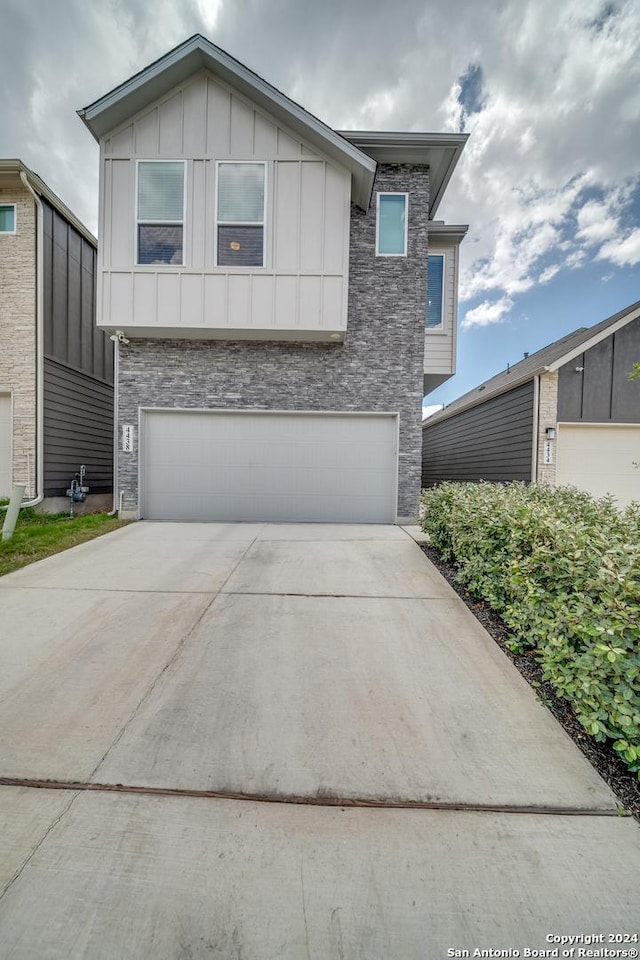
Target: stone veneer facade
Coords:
[[547, 417], [18, 329], [379, 367]]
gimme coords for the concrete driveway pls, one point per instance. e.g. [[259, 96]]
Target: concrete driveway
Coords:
[[150, 668]]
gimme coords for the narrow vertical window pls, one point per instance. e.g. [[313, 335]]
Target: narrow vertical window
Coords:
[[391, 225], [160, 212], [240, 215], [7, 218], [435, 292]]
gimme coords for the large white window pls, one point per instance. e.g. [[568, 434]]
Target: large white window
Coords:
[[391, 225], [435, 292], [240, 214], [7, 218], [160, 213]]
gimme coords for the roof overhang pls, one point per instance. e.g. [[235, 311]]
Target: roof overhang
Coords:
[[13, 169], [198, 53], [452, 233], [439, 151]]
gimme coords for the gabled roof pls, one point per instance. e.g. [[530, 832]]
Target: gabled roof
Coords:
[[546, 360], [358, 151], [13, 168], [198, 53]]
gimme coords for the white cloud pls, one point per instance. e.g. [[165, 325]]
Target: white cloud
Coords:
[[487, 312], [430, 409], [622, 252], [548, 274], [551, 160]]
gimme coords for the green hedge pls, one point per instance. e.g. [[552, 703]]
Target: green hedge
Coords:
[[563, 571]]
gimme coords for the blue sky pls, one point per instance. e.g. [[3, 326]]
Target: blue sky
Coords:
[[549, 91]]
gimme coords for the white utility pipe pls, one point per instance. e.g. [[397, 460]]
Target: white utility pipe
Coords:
[[39, 346], [116, 373]]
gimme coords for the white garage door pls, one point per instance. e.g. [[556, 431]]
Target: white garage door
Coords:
[[5, 444], [268, 466], [599, 458]]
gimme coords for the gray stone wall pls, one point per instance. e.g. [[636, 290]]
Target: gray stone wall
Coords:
[[379, 367]]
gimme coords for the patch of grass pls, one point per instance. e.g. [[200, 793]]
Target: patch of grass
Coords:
[[40, 535]]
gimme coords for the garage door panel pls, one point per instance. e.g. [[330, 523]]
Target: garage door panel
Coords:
[[289, 467], [600, 459]]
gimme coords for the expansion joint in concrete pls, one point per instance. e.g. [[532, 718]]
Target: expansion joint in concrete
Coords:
[[319, 800]]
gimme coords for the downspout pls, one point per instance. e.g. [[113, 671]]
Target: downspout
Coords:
[[116, 373], [536, 424], [39, 346]]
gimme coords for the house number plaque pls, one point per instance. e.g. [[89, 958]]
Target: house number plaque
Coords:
[[128, 436]]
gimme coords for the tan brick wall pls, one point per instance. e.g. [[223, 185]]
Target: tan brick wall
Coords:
[[18, 328], [548, 417]]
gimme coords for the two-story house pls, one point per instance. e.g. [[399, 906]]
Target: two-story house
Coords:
[[56, 367], [267, 278]]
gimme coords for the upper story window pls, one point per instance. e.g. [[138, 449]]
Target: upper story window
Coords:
[[240, 214], [7, 218], [391, 225], [435, 292], [160, 214]]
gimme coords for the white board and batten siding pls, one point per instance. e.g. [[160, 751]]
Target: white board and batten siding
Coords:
[[600, 458], [440, 345], [303, 286], [231, 466]]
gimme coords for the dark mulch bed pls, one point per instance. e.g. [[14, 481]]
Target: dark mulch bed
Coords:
[[611, 768]]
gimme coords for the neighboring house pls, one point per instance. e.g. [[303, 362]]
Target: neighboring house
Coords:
[[266, 277], [568, 414], [56, 367]]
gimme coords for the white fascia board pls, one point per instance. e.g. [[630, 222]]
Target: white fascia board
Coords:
[[439, 151], [447, 233], [594, 340], [197, 53]]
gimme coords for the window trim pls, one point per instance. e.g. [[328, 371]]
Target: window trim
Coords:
[[240, 223], [392, 193], [11, 233], [183, 223], [441, 326]]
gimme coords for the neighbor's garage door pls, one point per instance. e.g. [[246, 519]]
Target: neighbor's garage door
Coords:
[[268, 466], [599, 458]]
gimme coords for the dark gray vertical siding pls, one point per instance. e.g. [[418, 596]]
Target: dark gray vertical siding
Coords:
[[78, 363], [602, 392], [78, 428], [70, 332], [625, 394], [492, 441]]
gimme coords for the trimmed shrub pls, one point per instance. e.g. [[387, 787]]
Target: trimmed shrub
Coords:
[[563, 572]]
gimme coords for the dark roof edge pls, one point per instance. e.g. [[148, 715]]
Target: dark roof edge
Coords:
[[568, 347], [41, 188]]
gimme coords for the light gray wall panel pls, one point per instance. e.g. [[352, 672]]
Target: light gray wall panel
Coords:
[[307, 222]]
